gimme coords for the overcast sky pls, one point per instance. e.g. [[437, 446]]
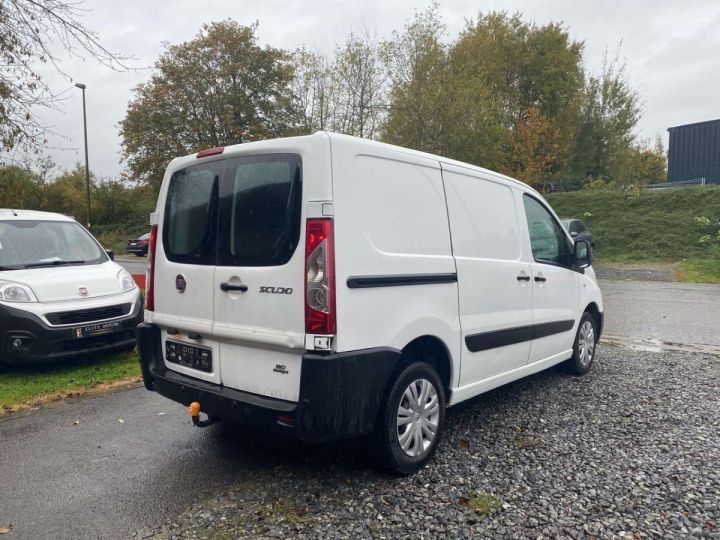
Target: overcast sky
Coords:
[[672, 50]]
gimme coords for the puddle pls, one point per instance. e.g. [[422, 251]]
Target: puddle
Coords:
[[657, 345]]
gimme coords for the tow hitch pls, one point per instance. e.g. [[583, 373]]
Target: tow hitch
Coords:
[[194, 413]]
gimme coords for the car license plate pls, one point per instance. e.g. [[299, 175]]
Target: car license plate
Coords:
[[188, 355], [96, 329]]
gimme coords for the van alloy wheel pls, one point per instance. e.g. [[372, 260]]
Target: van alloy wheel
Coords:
[[418, 415], [586, 343]]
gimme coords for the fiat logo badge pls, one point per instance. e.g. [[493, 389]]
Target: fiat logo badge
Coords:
[[83, 291], [180, 283]]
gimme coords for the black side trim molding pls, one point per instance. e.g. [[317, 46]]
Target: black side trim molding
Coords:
[[510, 336], [396, 280]]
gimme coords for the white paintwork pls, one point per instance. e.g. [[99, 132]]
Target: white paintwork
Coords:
[[489, 257], [485, 385], [61, 283], [395, 211], [58, 288]]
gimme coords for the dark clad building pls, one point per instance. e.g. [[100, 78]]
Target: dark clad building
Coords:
[[694, 152]]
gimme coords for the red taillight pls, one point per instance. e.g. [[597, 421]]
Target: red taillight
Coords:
[[142, 242], [150, 280], [319, 277], [210, 152]]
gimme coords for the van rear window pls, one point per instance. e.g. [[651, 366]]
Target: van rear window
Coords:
[[241, 211], [190, 214]]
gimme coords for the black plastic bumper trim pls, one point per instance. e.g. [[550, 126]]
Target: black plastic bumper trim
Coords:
[[397, 280], [340, 394], [47, 344], [519, 334]]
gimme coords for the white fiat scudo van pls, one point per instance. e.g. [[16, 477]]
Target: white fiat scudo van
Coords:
[[61, 295], [328, 287]]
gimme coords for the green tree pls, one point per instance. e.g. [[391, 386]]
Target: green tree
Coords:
[[116, 203], [504, 95], [609, 113], [647, 164], [21, 188], [522, 87], [218, 89], [422, 112], [66, 193]]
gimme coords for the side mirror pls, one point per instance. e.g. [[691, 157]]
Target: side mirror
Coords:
[[583, 254], [574, 234], [110, 254]]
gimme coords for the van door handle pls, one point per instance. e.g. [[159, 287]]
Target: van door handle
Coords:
[[228, 287], [540, 279], [523, 278]]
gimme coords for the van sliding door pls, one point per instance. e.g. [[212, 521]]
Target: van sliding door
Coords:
[[495, 293]]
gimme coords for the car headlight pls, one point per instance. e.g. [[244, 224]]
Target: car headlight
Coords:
[[16, 292], [126, 280]]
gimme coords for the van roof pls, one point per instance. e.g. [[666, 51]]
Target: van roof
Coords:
[[425, 155], [13, 214], [268, 144]]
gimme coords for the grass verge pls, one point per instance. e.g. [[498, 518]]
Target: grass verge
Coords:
[[690, 270], [699, 271], [22, 388]]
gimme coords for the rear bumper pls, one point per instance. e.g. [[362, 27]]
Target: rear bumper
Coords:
[[340, 394], [43, 343]]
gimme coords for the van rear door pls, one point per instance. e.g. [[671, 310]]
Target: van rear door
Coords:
[[259, 284], [185, 267]]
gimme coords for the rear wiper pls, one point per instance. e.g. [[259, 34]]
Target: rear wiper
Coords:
[[58, 262]]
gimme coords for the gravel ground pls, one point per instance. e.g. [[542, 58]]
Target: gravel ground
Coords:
[[659, 271], [631, 450]]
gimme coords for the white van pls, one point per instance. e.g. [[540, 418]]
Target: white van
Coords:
[[328, 287], [61, 295]]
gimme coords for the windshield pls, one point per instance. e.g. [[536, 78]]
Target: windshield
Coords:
[[36, 244]]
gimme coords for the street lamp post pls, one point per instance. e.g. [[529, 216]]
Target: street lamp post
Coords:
[[87, 166]]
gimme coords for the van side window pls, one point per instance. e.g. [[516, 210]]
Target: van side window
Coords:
[[547, 239]]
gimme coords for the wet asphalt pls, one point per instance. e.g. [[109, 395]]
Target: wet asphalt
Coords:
[[670, 312], [103, 478]]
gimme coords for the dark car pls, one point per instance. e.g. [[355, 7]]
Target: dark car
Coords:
[[578, 230], [139, 246]]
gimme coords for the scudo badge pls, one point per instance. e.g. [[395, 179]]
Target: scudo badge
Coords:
[[83, 291], [180, 283]]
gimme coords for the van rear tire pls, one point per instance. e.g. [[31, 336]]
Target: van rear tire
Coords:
[[411, 421]]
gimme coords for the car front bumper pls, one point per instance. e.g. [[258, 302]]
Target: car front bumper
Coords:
[[42, 343], [340, 394]]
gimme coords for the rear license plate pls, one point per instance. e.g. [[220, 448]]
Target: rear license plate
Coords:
[[188, 355], [96, 329]]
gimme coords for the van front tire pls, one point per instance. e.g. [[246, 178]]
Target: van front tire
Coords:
[[411, 422], [584, 346]]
